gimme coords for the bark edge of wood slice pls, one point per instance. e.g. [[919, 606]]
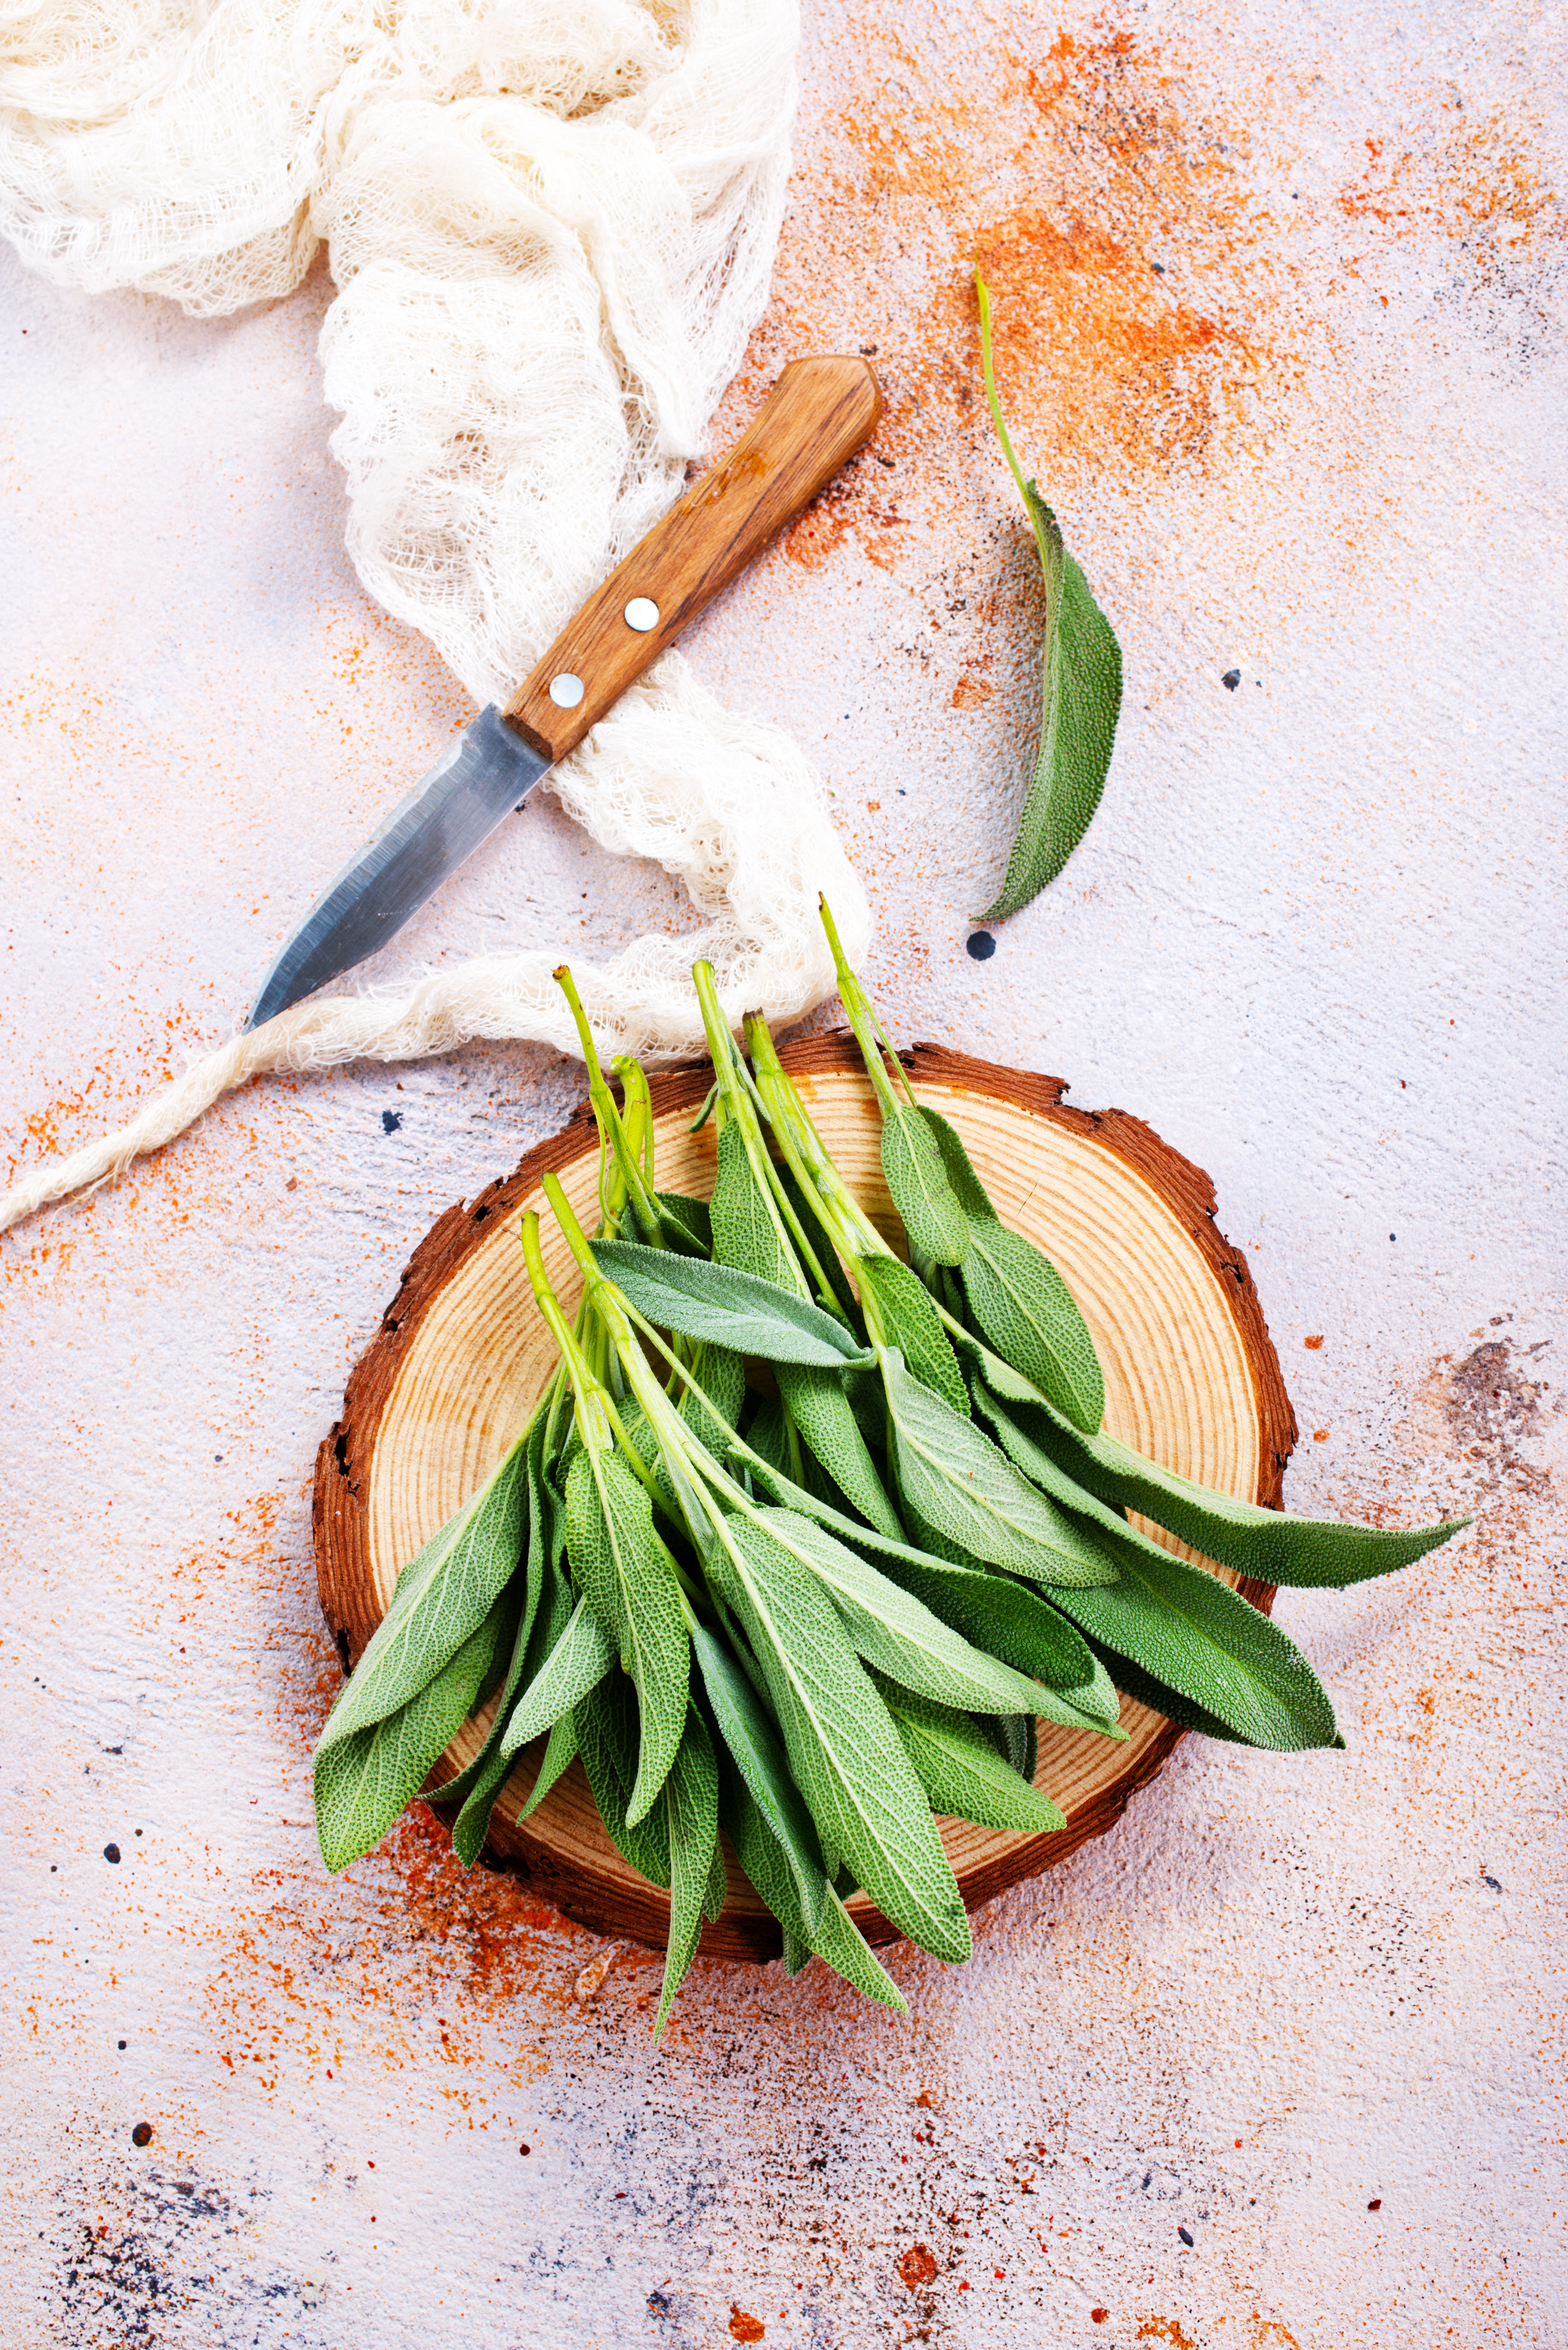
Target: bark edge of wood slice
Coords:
[[460, 1357]]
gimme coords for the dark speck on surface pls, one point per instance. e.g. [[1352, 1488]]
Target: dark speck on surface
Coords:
[[1375, 2204], [391, 1120], [142, 2133], [1493, 1882], [1185, 2237], [119, 2043], [981, 945], [112, 1852], [1391, 1236], [1232, 680]]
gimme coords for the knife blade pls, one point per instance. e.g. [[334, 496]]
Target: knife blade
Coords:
[[819, 414]]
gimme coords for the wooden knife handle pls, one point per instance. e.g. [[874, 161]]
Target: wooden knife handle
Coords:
[[817, 415]]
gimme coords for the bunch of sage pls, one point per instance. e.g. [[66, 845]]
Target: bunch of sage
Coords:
[[808, 1613]]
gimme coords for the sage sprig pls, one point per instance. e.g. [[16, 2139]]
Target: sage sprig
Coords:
[[1080, 690], [784, 1632]]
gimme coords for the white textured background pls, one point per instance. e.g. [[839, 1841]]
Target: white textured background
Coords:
[[1317, 937]]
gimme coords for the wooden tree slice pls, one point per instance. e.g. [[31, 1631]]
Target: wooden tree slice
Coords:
[[462, 1357]]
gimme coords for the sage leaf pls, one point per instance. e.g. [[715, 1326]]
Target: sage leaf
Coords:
[[1004, 1616], [962, 1772], [753, 1744], [893, 1632], [580, 1660], [748, 1231], [838, 1941], [935, 1222], [912, 1325], [843, 1750], [952, 1477], [737, 1310], [711, 1406], [364, 1780], [607, 1739], [442, 1597], [560, 1753], [1194, 1636], [1016, 1297], [1081, 694], [630, 1581], [1308, 1554], [822, 1412], [686, 1222], [691, 1804]]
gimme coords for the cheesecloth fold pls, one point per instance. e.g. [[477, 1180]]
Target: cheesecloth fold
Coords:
[[551, 226]]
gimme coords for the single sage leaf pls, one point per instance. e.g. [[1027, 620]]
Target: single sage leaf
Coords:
[[1308, 1554], [628, 1579], [962, 1772], [580, 1660], [1015, 1296], [952, 1477], [845, 1755], [913, 1327], [748, 1231], [838, 1941], [823, 1414], [734, 1309], [932, 1218], [442, 1597], [711, 1407], [364, 1781], [608, 1743], [893, 1632], [1194, 1636], [691, 1804], [560, 1753], [754, 1744]]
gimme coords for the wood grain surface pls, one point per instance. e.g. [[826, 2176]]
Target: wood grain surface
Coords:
[[462, 1356], [818, 414]]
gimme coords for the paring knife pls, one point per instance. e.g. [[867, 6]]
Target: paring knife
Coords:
[[818, 414]]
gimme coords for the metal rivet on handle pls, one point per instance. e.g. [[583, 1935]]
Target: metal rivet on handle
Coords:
[[643, 614], [565, 691]]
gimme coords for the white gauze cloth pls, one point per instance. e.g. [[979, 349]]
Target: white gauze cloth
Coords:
[[551, 224]]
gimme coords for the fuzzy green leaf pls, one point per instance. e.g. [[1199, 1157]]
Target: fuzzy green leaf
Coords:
[[823, 1414], [1081, 695], [364, 1781], [844, 1752], [893, 1632], [582, 1655], [953, 1479], [1309, 1553], [913, 1325], [932, 1218], [690, 1807], [734, 1309], [442, 1597], [962, 1772], [1017, 1298], [838, 1941], [560, 1754], [607, 1727], [1193, 1635], [748, 1231], [753, 1742], [630, 1581]]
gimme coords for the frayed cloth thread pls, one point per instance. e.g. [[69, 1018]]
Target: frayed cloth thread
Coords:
[[551, 224]]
